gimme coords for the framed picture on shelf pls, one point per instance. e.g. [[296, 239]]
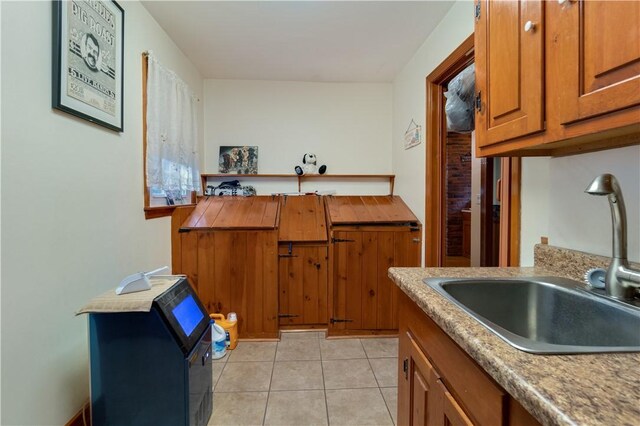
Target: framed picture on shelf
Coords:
[[238, 160], [88, 44]]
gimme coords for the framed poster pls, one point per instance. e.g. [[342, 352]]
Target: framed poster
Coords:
[[240, 160], [88, 43]]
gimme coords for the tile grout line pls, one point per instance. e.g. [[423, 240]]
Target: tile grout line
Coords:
[[224, 365], [324, 384], [273, 367], [378, 383]]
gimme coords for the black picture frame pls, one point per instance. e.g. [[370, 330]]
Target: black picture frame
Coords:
[[88, 61]]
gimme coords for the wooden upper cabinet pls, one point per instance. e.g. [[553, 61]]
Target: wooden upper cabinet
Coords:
[[509, 43], [598, 54]]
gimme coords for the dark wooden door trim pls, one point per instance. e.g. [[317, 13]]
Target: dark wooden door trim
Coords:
[[435, 167]]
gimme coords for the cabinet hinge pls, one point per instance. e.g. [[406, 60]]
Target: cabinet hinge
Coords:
[[341, 240], [477, 10], [335, 320], [478, 102], [405, 368], [290, 252], [288, 316]]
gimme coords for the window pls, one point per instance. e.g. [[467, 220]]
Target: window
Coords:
[[171, 163]]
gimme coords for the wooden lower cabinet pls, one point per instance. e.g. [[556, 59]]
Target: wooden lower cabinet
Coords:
[[235, 271], [364, 297], [439, 384], [302, 284], [228, 248]]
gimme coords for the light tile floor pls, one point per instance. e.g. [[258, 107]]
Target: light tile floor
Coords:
[[307, 380]]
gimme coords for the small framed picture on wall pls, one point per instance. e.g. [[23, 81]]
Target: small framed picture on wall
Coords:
[[238, 160], [88, 44]]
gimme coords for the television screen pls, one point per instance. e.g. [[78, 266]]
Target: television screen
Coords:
[[188, 314]]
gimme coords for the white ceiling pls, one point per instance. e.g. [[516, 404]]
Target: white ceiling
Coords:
[[333, 41]]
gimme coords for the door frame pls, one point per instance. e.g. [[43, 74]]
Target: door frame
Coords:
[[435, 216]]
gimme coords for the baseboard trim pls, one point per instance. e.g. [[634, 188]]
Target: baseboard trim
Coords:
[[82, 417]]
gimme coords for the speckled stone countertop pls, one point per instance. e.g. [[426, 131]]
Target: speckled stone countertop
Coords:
[[591, 389]]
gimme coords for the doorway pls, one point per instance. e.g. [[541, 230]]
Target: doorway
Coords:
[[455, 213]]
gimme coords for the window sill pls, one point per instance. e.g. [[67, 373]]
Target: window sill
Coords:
[[162, 211]]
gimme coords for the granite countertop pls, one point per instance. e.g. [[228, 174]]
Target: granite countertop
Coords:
[[591, 389]]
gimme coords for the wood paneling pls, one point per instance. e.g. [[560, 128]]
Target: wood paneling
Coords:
[[229, 212], [189, 258], [231, 270], [303, 284], [177, 218], [364, 296], [241, 276], [302, 218], [509, 70], [344, 210]]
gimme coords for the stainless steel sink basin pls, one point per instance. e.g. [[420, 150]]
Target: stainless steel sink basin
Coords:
[[545, 314]]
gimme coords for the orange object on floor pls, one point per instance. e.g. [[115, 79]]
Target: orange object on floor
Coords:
[[230, 326]]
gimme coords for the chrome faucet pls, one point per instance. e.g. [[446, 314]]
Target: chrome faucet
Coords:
[[621, 282]]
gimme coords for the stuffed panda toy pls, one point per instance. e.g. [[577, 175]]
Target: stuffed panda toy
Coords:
[[309, 166]]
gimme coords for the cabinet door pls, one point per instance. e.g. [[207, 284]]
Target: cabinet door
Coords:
[[364, 296], [237, 271], [509, 38], [597, 52], [302, 285], [452, 413], [418, 383]]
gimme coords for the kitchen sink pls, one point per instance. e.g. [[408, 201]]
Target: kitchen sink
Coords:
[[545, 315]]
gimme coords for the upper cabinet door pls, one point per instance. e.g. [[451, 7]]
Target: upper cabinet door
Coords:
[[509, 37], [598, 47]]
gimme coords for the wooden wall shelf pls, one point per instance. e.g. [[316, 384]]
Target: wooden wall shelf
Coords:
[[300, 179]]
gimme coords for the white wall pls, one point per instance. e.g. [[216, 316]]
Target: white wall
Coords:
[[553, 199], [409, 102], [347, 126], [72, 218], [534, 206], [554, 202]]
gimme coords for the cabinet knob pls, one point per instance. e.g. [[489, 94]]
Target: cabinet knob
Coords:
[[529, 26]]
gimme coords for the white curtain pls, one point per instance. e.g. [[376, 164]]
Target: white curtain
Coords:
[[172, 132]]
